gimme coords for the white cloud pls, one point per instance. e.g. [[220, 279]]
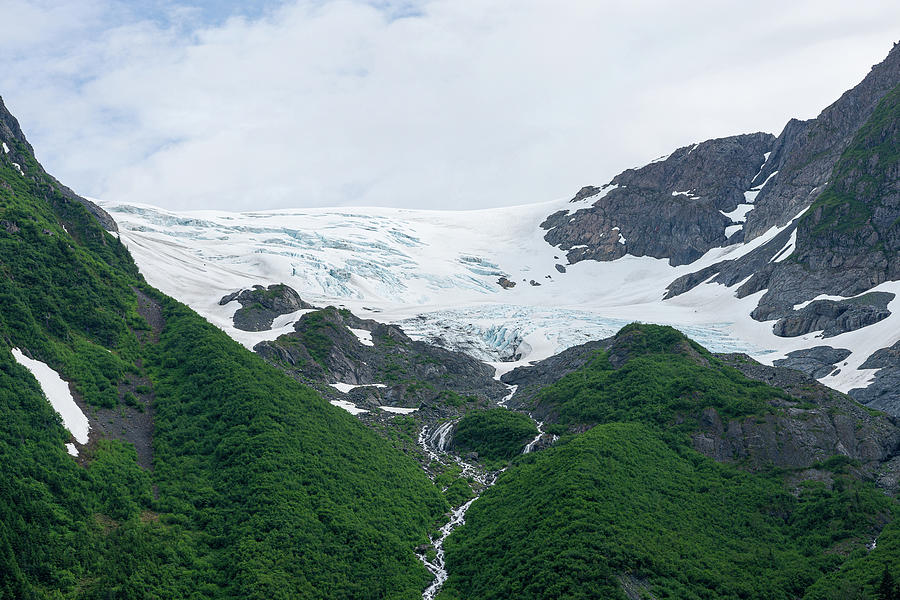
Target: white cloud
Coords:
[[466, 103]]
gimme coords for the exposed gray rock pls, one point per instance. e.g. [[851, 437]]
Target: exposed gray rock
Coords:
[[806, 151], [667, 209], [531, 379], [808, 426], [848, 241], [416, 374], [506, 283], [822, 423], [816, 362], [260, 306], [833, 317], [560, 268], [884, 392]]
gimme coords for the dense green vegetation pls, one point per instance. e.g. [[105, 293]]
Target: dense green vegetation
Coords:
[[664, 375], [618, 501], [496, 434], [260, 489], [630, 502]]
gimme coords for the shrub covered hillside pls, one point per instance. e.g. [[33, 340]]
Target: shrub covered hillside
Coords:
[[496, 434], [630, 506], [259, 488]]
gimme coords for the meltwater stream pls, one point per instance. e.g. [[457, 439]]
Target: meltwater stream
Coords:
[[434, 443]]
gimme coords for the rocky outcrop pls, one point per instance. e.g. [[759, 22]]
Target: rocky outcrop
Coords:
[[260, 306], [818, 424], [20, 152], [529, 380], [848, 241], [816, 362], [845, 244], [333, 346], [833, 317], [884, 391], [668, 209], [807, 425], [806, 152]]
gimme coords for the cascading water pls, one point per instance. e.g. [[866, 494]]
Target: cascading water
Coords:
[[530, 446], [434, 444]]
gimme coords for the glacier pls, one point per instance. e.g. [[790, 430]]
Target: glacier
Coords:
[[435, 273]]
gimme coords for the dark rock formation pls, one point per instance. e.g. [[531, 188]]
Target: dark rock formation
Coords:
[[833, 317], [884, 392], [809, 425], [506, 283], [531, 379], [816, 362], [667, 209], [806, 151], [260, 306], [323, 349], [21, 153], [820, 424], [848, 241]]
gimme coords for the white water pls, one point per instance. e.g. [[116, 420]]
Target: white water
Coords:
[[435, 452], [440, 438], [530, 446]]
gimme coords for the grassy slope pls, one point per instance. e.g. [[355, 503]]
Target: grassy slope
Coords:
[[265, 490], [630, 497]]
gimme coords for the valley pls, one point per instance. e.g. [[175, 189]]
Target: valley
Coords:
[[678, 384]]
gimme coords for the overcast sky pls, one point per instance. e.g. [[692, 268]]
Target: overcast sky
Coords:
[[433, 104]]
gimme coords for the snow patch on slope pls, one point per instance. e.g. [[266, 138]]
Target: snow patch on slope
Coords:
[[58, 394]]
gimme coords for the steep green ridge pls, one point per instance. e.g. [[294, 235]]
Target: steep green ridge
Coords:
[[630, 504], [570, 521], [663, 374], [260, 489]]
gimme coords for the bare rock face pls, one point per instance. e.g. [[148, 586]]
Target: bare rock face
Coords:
[[325, 349], [806, 151], [884, 392], [816, 362], [824, 423], [260, 306], [833, 317], [807, 426], [667, 209], [21, 153]]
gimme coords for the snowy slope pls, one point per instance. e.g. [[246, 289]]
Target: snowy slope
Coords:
[[435, 273]]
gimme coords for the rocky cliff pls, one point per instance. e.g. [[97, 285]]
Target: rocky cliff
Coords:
[[674, 208]]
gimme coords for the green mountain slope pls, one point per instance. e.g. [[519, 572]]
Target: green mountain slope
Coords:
[[630, 505], [259, 488]]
